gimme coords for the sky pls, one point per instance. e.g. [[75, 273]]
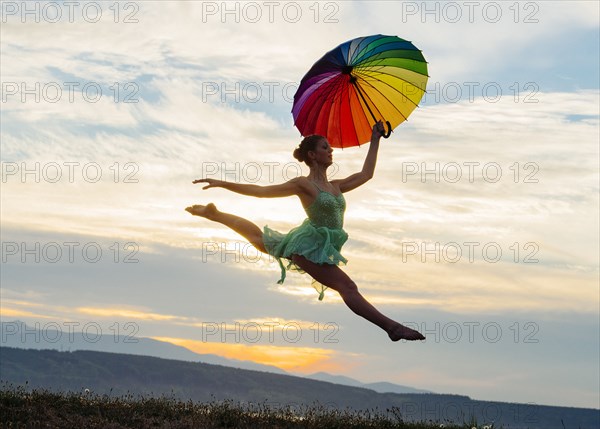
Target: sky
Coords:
[[480, 227]]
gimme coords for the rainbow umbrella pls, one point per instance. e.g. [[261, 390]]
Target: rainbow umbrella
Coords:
[[358, 83]]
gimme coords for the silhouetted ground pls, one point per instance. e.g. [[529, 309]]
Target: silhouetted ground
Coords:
[[20, 408]]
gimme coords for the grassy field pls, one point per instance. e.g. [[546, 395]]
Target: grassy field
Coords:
[[21, 408]]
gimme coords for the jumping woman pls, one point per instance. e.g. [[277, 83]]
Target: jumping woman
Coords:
[[313, 247]]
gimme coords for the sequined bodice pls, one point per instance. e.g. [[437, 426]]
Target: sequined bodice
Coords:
[[327, 210]]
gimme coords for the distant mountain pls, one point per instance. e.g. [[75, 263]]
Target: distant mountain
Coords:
[[119, 374], [381, 387], [18, 334], [385, 387]]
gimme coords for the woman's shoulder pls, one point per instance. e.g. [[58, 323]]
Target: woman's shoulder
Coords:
[[300, 181], [302, 184], [336, 184]]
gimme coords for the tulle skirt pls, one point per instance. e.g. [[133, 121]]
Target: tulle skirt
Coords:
[[318, 244]]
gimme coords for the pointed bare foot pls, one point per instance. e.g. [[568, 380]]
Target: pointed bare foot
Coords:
[[401, 332], [207, 211]]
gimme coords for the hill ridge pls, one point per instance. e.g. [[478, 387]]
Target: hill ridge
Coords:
[[116, 374]]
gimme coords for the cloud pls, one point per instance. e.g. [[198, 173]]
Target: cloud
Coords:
[[459, 165], [304, 360], [125, 313], [15, 312]]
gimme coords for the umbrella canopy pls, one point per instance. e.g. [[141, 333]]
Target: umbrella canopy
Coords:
[[358, 83]]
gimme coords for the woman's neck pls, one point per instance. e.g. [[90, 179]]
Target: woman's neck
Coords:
[[318, 174]]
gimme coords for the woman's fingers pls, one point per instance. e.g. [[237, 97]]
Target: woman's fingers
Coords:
[[211, 183], [379, 128]]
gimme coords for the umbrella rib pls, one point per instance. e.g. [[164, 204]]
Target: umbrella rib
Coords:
[[359, 91], [335, 93], [366, 54], [332, 91], [376, 67], [372, 69], [369, 78], [395, 108], [333, 88]]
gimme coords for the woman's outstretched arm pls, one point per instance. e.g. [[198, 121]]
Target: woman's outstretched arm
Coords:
[[357, 179], [294, 186]]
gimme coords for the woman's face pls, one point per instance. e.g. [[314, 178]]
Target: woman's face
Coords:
[[323, 153]]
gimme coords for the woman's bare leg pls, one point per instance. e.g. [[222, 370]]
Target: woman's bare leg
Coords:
[[242, 226], [332, 276], [329, 275]]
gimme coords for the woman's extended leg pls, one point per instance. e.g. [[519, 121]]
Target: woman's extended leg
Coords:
[[242, 226], [329, 275], [332, 276]]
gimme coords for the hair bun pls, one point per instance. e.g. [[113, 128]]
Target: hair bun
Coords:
[[298, 154]]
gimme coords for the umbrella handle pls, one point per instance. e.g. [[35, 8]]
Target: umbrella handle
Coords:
[[389, 131]]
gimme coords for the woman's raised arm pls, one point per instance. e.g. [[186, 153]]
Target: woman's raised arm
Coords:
[[357, 179]]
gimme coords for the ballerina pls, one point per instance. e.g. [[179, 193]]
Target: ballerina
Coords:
[[313, 247]]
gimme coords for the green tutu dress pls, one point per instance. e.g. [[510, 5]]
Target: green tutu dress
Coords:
[[319, 239]]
